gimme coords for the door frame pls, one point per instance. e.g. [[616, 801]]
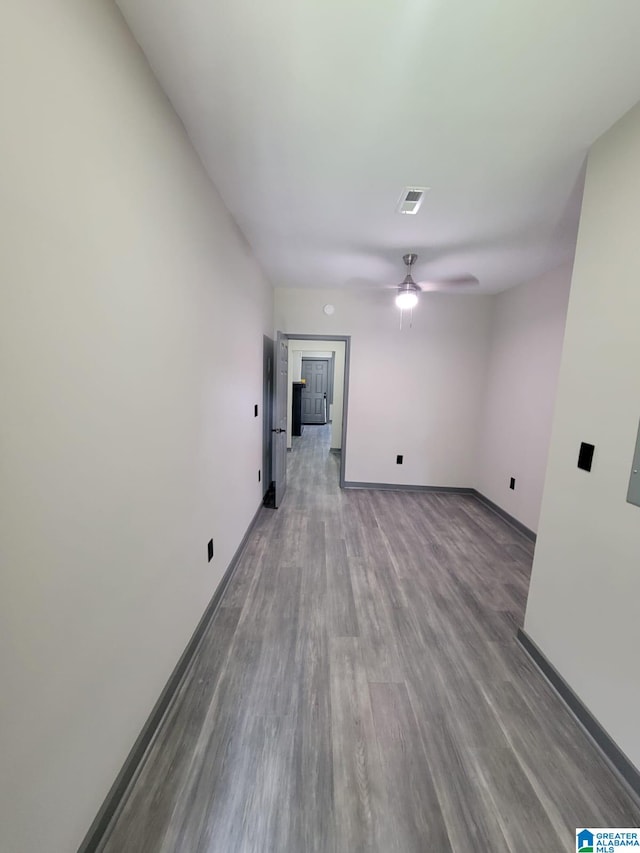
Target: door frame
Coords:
[[346, 339], [332, 368], [328, 398], [280, 482], [268, 393]]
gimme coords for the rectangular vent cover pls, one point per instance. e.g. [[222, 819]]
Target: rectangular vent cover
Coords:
[[411, 199]]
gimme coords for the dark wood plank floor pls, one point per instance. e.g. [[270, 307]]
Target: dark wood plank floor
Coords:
[[360, 689]]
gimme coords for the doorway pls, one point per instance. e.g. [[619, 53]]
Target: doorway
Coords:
[[277, 413], [336, 350]]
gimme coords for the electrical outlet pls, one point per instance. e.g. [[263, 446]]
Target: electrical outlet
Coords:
[[512, 483], [210, 551], [399, 459]]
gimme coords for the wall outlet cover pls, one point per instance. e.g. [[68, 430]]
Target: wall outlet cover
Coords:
[[585, 457]]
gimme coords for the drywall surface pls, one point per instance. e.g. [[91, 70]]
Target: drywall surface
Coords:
[[585, 587], [527, 331], [414, 391], [299, 349], [129, 368]]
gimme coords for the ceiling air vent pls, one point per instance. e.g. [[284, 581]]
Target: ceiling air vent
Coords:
[[411, 199]]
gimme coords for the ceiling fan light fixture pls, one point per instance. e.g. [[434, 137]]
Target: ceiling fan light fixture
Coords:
[[406, 299]]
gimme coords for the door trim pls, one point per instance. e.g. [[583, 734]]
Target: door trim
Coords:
[[331, 365], [328, 397], [268, 349], [345, 402], [280, 390]]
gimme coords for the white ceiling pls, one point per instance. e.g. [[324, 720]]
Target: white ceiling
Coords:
[[312, 115]]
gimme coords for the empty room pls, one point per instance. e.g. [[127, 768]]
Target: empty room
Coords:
[[320, 446]]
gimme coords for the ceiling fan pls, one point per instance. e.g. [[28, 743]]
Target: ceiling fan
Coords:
[[408, 289]]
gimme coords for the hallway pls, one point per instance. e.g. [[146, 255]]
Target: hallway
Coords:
[[361, 689]]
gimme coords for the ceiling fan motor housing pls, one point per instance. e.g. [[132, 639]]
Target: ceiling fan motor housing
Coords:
[[408, 284]]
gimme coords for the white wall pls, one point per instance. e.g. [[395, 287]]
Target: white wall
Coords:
[[527, 331], [585, 589], [297, 351], [129, 367], [415, 392]]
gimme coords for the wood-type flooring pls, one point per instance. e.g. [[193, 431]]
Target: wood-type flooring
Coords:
[[360, 688]]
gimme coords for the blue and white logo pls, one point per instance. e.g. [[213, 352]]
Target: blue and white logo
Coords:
[[607, 840], [584, 841]]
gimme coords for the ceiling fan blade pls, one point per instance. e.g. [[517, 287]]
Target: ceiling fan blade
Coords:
[[455, 281], [360, 283]]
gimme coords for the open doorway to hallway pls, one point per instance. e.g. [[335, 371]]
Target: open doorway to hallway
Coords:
[[316, 395], [325, 414], [308, 358]]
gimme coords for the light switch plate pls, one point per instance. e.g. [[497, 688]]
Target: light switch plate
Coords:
[[585, 457]]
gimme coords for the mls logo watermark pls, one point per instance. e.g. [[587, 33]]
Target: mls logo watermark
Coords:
[[606, 840], [584, 841]]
